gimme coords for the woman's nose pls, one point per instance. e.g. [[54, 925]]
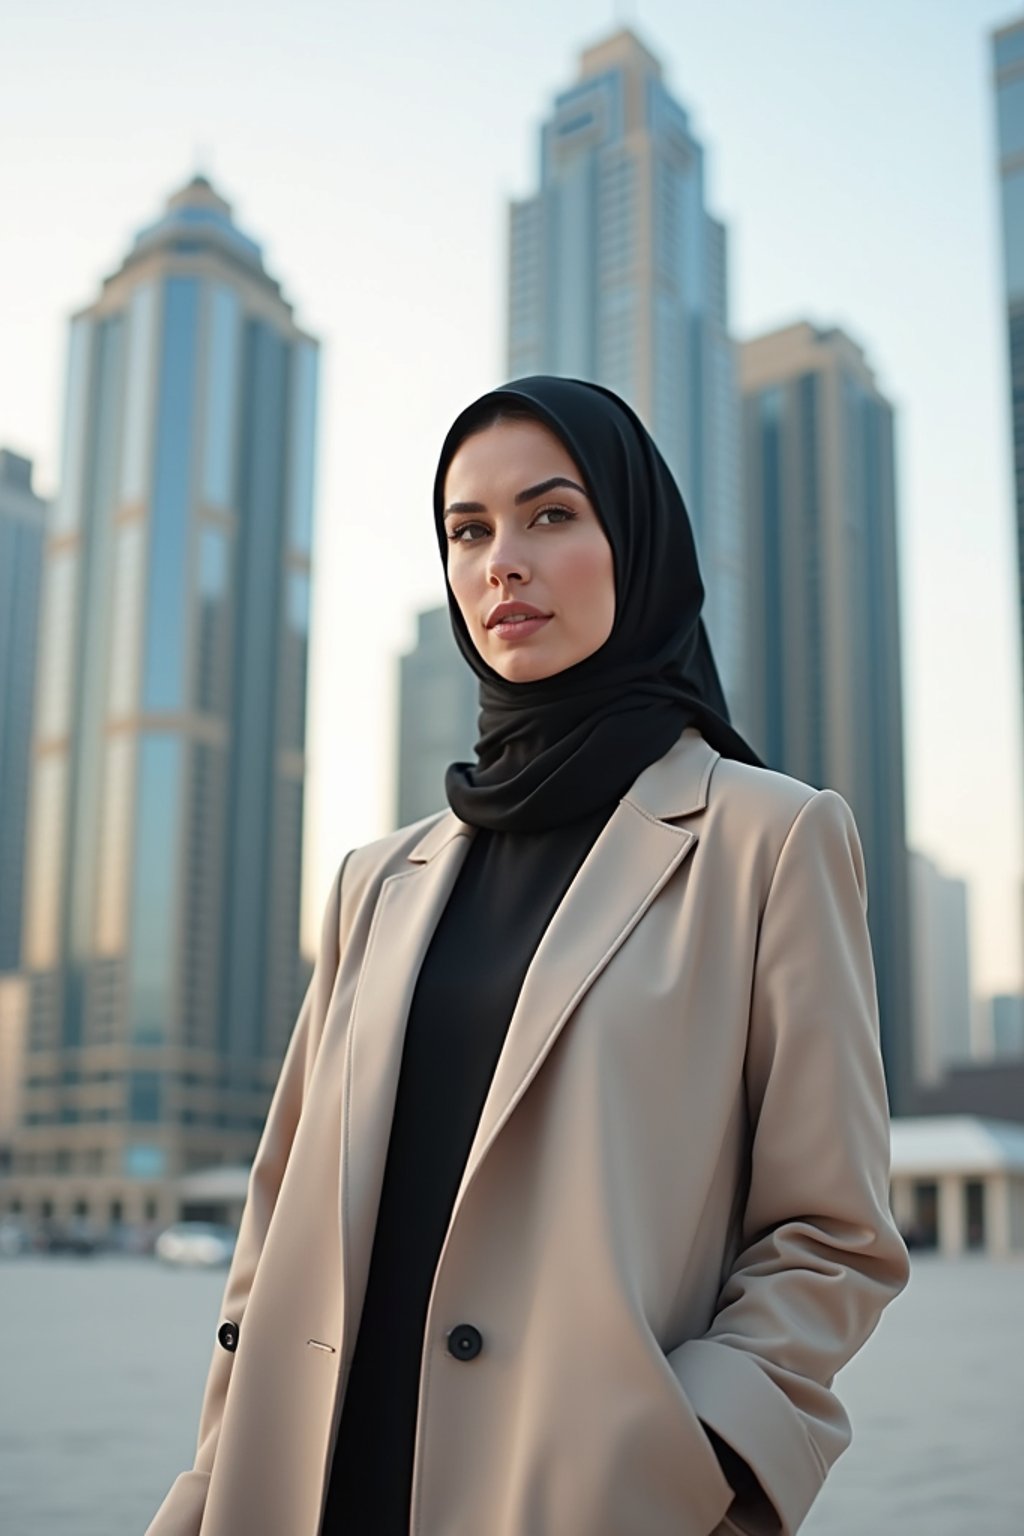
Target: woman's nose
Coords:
[[506, 564]]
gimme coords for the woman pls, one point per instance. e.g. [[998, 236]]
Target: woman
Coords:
[[572, 1196]]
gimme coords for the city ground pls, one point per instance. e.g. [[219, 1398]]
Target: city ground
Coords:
[[103, 1364]]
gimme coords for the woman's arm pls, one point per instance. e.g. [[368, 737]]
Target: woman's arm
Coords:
[[181, 1512], [821, 1256]]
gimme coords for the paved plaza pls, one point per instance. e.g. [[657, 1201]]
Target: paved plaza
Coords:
[[102, 1364]]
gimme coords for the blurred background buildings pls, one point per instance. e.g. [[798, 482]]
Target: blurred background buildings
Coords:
[[151, 816]]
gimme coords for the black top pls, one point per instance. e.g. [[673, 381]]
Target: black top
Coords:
[[503, 899]]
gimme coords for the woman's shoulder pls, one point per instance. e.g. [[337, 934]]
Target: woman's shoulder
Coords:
[[743, 804], [372, 862]]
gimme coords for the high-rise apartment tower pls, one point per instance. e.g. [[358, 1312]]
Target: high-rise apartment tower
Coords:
[[823, 597], [162, 924], [1008, 50], [617, 275]]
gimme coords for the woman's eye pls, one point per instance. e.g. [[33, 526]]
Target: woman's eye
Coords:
[[455, 536], [563, 512]]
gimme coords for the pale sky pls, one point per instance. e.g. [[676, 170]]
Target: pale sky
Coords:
[[372, 151]]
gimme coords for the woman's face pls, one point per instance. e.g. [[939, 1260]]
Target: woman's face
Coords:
[[523, 537]]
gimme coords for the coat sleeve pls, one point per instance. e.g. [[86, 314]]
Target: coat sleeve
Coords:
[[181, 1512], [820, 1255]]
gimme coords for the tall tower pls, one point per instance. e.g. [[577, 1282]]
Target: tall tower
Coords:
[[941, 971], [162, 923], [617, 275], [823, 597], [22, 527], [437, 715], [1008, 52]]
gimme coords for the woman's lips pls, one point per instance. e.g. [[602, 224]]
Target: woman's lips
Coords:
[[517, 629]]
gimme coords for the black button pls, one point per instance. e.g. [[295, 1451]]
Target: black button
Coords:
[[465, 1342], [227, 1334]]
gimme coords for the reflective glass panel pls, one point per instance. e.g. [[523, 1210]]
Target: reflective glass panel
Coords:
[[303, 445], [1010, 112], [138, 405], [127, 617], [67, 513], [215, 547], [222, 361], [1013, 233], [155, 885], [163, 670]]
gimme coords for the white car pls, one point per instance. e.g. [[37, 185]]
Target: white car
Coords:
[[203, 1243]]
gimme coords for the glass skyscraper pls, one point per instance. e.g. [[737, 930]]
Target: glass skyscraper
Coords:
[[22, 528], [437, 716], [823, 596], [1008, 51], [617, 274], [161, 942]]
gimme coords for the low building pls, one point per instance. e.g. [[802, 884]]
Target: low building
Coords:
[[958, 1184]]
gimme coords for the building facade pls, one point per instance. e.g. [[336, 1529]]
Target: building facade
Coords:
[[823, 599], [957, 1184], [940, 970], [22, 529], [617, 275], [1008, 58], [161, 943], [437, 716], [1007, 1021]]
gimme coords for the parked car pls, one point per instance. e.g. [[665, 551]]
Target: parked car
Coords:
[[204, 1243], [75, 1235], [15, 1236]]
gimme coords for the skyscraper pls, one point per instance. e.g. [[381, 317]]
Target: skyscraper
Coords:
[[437, 716], [1008, 52], [617, 275], [22, 527], [823, 596], [941, 970], [162, 922]]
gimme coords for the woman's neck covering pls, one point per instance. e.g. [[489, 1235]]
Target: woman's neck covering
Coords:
[[556, 749]]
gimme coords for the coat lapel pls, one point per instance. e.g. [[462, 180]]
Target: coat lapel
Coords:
[[635, 855], [408, 908]]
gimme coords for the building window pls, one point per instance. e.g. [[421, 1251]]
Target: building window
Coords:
[[144, 1098]]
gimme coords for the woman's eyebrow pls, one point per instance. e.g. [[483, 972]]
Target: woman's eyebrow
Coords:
[[545, 486], [530, 494]]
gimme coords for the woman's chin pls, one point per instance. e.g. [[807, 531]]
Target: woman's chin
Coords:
[[519, 666]]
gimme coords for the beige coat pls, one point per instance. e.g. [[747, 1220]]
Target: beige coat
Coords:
[[675, 1205]]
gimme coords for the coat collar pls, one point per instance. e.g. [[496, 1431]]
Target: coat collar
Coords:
[[672, 786]]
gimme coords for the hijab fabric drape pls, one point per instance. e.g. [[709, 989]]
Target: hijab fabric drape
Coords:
[[556, 749]]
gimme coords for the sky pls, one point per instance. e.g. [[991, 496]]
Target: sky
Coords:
[[373, 150]]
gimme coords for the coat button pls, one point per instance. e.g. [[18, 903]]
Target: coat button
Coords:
[[465, 1342], [227, 1334]]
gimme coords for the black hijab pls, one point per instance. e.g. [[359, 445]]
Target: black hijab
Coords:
[[554, 750]]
